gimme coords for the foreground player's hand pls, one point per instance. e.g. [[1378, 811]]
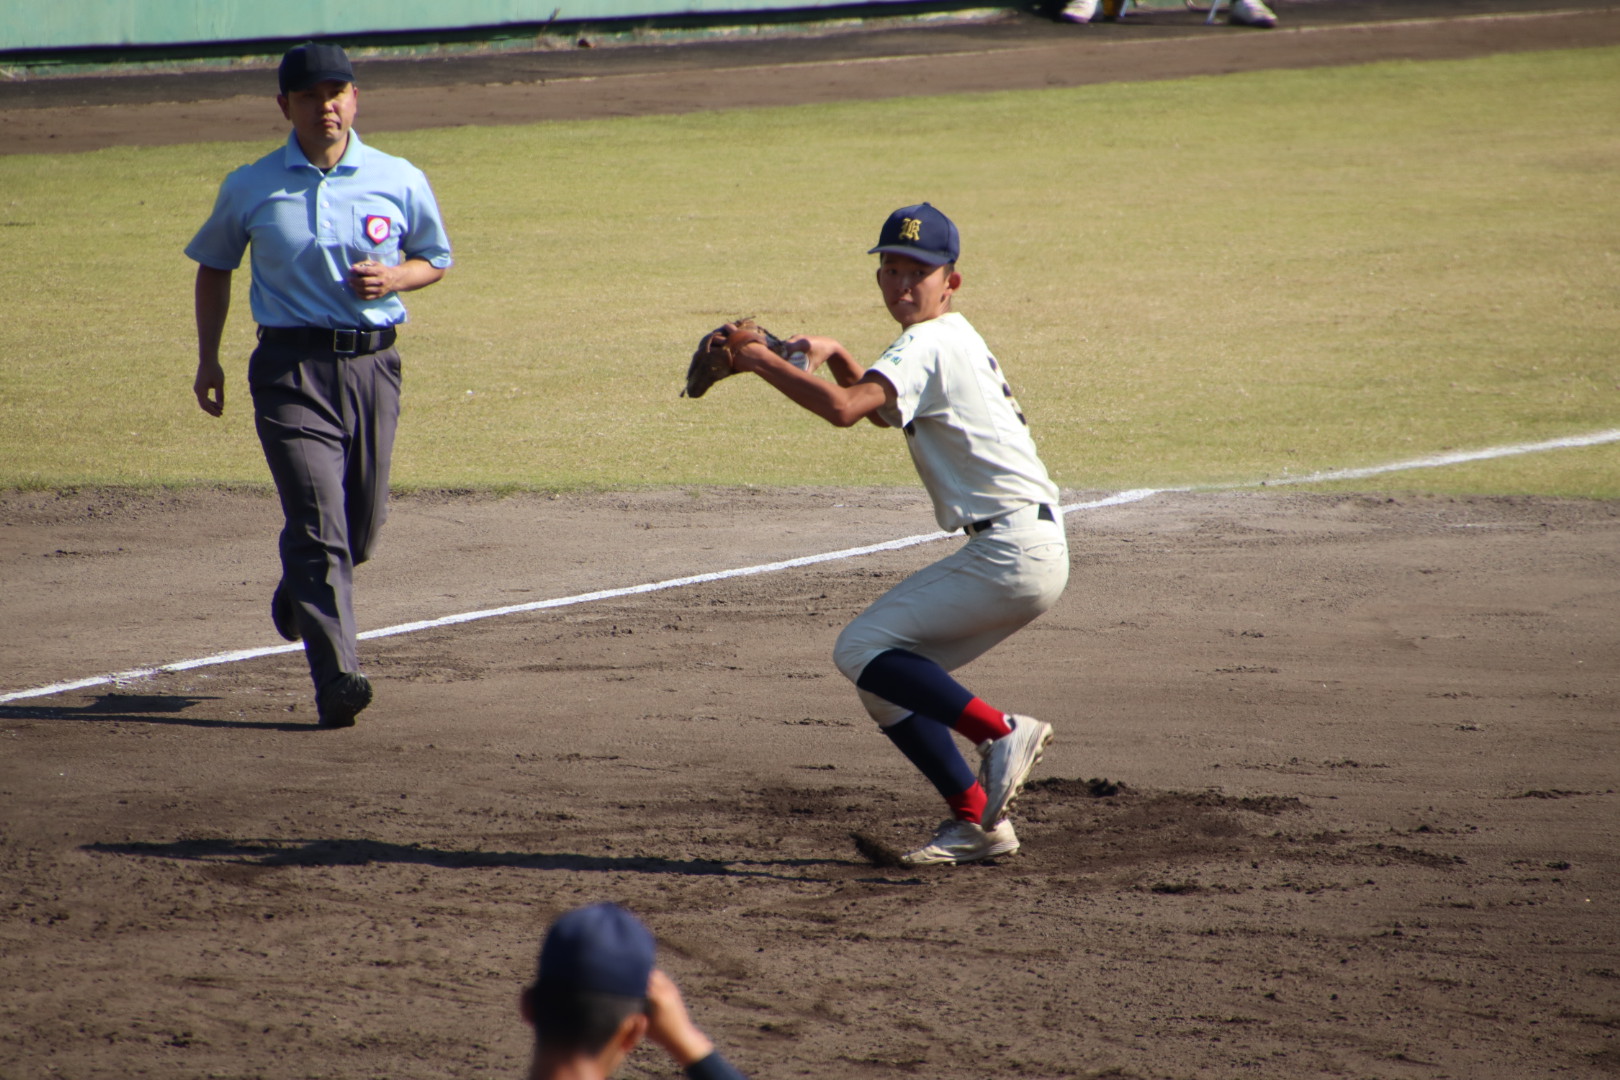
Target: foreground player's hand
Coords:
[[669, 1025], [815, 349], [736, 338], [748, 356]]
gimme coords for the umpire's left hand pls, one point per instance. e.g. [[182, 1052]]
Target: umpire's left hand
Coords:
[[372, 280]]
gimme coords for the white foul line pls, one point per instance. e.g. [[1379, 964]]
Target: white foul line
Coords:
[[1134, 495], [1459, 457]]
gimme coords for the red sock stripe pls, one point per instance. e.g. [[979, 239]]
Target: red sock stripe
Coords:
[[979, 722], [969, 805]]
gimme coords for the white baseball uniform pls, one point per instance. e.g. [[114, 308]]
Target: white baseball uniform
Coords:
[[972, 448]]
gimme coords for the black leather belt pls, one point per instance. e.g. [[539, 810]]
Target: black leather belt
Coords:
[[342, 342], [973, 529]]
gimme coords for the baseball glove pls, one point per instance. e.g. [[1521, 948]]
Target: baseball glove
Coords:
[[712, 361]]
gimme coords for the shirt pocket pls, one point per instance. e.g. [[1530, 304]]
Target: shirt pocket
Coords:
[[377, 229]]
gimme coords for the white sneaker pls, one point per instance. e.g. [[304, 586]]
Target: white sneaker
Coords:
[[1078, 11], [963, 841], [1251, 13], [1007, 761]]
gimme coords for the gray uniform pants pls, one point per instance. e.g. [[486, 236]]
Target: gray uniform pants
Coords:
[[326, 422]]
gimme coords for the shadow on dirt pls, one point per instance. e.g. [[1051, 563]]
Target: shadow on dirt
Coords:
[[289, 853], [145, 709]]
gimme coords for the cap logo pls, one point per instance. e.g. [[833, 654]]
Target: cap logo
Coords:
[[911, 229], [377, 228]]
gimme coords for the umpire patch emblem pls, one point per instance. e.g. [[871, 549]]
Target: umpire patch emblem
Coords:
[[377, 228]]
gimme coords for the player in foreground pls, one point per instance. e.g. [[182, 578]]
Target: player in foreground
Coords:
[[939, 383], [597, 995], [338, 230]]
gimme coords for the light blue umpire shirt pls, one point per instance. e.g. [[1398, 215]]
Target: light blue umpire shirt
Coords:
[[307, 227]]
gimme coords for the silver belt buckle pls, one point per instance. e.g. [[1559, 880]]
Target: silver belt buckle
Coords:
[[354, 341]]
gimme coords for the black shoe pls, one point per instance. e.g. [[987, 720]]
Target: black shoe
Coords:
[[284, 613], [342, 699]]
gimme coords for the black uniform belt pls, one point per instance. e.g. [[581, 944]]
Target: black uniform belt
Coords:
[[342, 342], [973, 528]]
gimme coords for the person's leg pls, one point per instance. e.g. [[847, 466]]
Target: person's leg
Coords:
[[899, 651], [298, 411], [924, 686], [910, 695], [932, 749], [368, 405], [373, 386]]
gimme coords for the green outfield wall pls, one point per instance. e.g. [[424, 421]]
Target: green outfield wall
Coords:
[[86, 24]]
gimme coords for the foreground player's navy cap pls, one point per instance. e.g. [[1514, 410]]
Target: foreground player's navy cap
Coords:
[[921, 232], [599, 949], [314, 62]]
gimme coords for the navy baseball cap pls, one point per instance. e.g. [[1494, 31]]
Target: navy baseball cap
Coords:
[[921, 232], [314, 62], [598, 949]]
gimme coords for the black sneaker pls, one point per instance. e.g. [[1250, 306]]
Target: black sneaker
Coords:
[[342, 699], [284, 613]]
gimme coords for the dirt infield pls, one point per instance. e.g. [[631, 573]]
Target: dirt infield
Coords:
[[1366, 823], [1333, 792]]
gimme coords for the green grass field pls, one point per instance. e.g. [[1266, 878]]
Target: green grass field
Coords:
[[1213, 280]]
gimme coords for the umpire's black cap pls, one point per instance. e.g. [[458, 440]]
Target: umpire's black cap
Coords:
[[314, 62]]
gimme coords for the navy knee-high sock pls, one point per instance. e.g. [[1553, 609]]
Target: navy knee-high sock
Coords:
[[919, 684], [932, 748], [916, 683]]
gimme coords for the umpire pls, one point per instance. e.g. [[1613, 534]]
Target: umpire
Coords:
[[338, 230]]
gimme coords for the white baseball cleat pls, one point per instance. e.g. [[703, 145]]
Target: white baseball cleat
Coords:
[[1078, 11], [963, 841], [1251, 13], [1007, 762]]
